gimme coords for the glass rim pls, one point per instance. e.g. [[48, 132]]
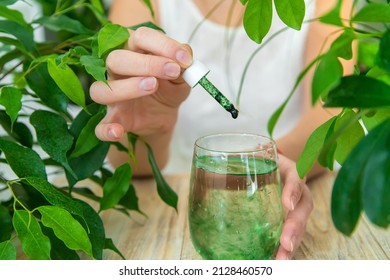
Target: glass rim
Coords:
[[268, 139]]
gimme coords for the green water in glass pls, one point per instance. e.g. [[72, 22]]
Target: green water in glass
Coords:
[[235, 209]]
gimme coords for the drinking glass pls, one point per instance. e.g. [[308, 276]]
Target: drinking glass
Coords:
[[235, 209]]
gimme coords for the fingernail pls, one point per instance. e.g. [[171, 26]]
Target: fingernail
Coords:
[[292, 243], [172, 70], [293, 202], [183, 57], [148, 83], [112, 134]]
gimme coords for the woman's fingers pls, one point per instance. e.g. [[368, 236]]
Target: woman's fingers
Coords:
[[147, 40], [126, 63], [293, 186], [295, 226], [109, 131], [122, 90], [296, 198]]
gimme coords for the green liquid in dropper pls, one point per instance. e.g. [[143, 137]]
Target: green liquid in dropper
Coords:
[[221, 99]]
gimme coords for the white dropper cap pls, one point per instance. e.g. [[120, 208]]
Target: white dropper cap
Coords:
[[196, 71]]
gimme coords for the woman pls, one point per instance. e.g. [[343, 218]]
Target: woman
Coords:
[[148, 96]]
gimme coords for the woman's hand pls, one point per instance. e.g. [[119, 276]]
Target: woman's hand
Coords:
[[145, 86], [296, 198]]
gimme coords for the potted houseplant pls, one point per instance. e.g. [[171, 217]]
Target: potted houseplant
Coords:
[[48, 125]]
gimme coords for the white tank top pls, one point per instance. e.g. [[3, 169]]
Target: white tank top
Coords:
[[269, 79]]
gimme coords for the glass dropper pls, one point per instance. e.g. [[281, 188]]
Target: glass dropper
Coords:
[[196, 74]]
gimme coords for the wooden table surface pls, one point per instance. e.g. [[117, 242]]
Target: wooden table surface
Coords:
[[164, 234]]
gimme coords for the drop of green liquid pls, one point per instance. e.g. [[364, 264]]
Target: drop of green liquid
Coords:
[[234, 113]]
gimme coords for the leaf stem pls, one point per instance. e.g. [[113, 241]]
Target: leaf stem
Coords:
[[203, 20], [16, 200], [273, 36], [251, 59]]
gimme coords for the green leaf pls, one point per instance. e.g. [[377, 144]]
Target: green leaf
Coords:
[[359, 92], [67, 81], [72, 56], [53, 195], [367, 53], [243, 2], [13, 15], [333, 16], [97, 4], [19, 132], [342, 46], [23, 161], [95, 67], [384, 52], [98, 11], [81, 120], [23, 34], [87, 164], [34, 243], [327, 153], [63, 23], [5, 224], [326, 76], [7, 251], [66, 228], [313, 148], [110, 245], [132, 140], [376, 176], [116, 187], [376, 117], [40, 81], [7, 2], [59, 251], [95, 226], [9, 57], [350, 136], [11, 99], [348, 192], [146, 24], [93, 223], [373, 12], [291, 12], [130, 200], [110, 37], [87, 139], [258, 19], [163, 189], [7, 41], [53, 136], [379, 74]]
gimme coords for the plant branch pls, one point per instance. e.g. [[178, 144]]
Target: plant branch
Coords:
[[12, 69], [203, 20]]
